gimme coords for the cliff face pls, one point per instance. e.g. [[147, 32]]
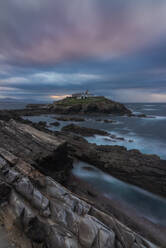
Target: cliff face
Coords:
[[98, 105], [38, 211]]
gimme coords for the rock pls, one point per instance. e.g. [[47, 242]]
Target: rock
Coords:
[[142, 115], [36, 230], [106, 120], [4, 191], [94, 233], [119, 245], [113, 136], [120, 138], [11, 176], [56, 124], [110, 139], [109, 121], [84, 131], [25, 188], [70, 118], [35, 147], [7, 115], [146, 116], [42, 123]]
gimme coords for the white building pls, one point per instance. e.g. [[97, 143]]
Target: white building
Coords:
[[82, 95]]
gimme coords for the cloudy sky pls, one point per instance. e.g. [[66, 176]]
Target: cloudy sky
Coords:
[[115, 48]]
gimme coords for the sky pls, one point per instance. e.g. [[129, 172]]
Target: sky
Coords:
[[116, 48]]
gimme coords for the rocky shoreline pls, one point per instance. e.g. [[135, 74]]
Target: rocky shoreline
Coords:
[[47, 213], [128, 165], [47, 210]]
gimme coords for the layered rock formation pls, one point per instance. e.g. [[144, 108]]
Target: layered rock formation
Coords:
[[38, 211], [35, 147], [42, 213]]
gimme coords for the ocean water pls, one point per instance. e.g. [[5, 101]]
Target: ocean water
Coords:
[[148, 134], [12, 105]]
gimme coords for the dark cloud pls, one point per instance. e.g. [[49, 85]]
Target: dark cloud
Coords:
[[109, 46]]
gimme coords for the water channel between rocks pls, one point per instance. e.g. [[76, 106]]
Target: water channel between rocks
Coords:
[[144, 203]]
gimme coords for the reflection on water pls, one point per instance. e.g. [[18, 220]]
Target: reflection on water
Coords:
[[146, 204]]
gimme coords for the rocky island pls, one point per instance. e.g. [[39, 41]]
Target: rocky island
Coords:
[[73, 105], [88, 105]]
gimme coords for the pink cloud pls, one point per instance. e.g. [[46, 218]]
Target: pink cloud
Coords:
[[52, 31]]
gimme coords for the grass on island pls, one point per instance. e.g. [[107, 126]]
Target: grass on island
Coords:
[[73, 101]]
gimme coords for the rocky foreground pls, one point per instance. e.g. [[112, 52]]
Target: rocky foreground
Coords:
[[38, 211]]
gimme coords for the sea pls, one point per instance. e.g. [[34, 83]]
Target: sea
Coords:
[[145, 134]]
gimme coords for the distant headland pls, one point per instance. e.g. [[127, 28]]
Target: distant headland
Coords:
[[86, 103]]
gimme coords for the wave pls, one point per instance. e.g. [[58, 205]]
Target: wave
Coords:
[[149, 105], [149, 109]]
